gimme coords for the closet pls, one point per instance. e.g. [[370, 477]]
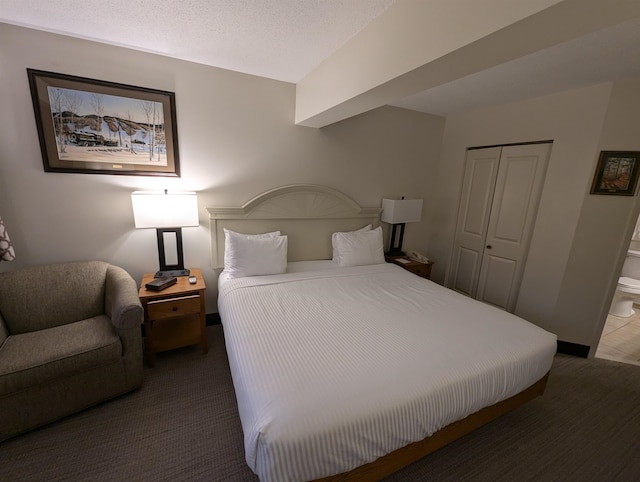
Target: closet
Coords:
[[498, 205]]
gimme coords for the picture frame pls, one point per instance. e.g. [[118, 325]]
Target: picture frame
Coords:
[[616, 173], [93, 126]]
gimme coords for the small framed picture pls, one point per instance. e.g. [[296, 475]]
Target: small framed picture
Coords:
[[96, 127], [617, 173]]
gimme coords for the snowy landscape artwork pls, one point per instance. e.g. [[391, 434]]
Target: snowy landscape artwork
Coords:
[[102, 127]]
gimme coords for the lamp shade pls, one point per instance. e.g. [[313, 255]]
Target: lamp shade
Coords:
[[164, 209], [398, 211]]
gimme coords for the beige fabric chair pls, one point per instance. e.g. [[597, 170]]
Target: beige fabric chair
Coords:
[[69, 338]]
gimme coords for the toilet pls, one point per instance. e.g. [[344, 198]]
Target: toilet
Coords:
[[628, 290]]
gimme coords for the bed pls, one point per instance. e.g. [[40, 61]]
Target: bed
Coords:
[[350, 370]]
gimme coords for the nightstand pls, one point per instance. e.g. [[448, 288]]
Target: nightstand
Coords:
[[175, 316], [416, 267]]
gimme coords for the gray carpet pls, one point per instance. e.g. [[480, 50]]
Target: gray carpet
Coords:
[[183, 425]]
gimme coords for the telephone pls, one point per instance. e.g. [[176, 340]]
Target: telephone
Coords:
[[418, 256]]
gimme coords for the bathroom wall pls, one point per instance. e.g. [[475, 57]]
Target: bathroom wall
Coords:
[[635, 239]]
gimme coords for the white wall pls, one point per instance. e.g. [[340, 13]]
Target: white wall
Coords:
[[578, 238], [603, 230], [237, 138]]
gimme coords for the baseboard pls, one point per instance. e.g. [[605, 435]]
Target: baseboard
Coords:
[[213, 319], [573, 349]]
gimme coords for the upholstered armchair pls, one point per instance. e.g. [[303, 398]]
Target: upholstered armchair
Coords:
[[69, 338]]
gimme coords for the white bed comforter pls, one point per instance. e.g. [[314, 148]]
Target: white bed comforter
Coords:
[[333, 369]]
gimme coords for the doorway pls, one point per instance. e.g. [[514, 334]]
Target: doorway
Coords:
[[620, 339], [498, 206]]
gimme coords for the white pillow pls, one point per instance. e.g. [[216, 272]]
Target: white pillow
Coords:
[[333, 237], [254, 254], [231, 236], [358, 248]]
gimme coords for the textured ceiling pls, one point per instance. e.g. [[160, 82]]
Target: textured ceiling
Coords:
[[287, 39], [278, 39]]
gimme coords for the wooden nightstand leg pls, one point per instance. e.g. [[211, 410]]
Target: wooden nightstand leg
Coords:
[[148, 342], [203, 326], [148, 338]]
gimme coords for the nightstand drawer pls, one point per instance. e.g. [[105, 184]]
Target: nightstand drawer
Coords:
[[169, 308], [416, 267], [424, 271]]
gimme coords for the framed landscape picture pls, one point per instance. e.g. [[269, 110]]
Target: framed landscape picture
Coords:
[[97, 127], [617, 173]]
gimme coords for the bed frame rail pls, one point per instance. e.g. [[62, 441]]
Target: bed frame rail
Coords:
[[398, 459]]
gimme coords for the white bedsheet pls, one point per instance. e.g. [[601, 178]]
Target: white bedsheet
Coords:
[[335, 368]]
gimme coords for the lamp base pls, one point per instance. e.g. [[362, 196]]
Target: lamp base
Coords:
[[395, 246], [172, 272]]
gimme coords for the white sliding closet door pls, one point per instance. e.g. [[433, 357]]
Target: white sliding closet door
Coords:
[[498, 206]]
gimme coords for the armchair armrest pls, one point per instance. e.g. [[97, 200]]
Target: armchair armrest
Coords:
[[123, 307], [122, 304]]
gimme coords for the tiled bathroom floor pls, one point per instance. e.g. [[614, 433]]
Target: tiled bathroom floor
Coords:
[[621, 339]]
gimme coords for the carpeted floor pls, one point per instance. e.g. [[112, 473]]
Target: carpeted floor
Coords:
[[183, 425]]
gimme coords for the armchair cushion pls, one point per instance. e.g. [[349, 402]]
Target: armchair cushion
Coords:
[[44, 355], [4, 333]]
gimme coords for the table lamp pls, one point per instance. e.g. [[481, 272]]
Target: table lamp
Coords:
[[397, 212], [168, 213]]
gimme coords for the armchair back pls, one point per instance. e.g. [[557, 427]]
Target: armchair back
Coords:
[[42, 297]]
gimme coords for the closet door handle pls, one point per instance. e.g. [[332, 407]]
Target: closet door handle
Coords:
[[488, 246]]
